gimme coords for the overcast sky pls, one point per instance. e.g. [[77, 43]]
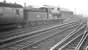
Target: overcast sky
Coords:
[[79, 6]]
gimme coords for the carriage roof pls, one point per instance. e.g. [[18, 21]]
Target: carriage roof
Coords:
[[10, 5]]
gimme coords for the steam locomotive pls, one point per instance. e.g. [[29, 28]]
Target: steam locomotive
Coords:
[[15, 14]]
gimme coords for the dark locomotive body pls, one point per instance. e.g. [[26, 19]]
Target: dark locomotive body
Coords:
[[10, 14], [35, 14], [15, 14]]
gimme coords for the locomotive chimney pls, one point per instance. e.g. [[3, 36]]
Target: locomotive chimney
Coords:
[[4, 1], [25, 3]]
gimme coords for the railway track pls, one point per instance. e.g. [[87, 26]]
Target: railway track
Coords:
[[49, 41], [82, 40], [42, 30], [84, 44], [27, 28], [15, 32], [78, 43], [74, 43], [69, 38], [42, 36], [21, 34]]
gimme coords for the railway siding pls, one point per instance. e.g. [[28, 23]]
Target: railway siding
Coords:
[[37, 38]]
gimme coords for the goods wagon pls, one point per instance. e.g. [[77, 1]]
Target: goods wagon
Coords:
[[10, 13]]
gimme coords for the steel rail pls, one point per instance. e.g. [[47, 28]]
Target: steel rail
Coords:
[[73, 44], [37, 42], [14, 37], [16, 31], [68, 36], [73, 39], [82, 40], [25, 38], [20, 40]]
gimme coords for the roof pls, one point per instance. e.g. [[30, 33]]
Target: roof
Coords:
[[36, 10], [10, 5]]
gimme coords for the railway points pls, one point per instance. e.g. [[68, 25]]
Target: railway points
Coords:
[[84, 44], [41, 29], [49, 34], [46, 28], [73, 44], [68, 38], [51, 41], [49, 28]]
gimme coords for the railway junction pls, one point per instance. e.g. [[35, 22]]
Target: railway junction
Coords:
[[41, 29], [71, 35]]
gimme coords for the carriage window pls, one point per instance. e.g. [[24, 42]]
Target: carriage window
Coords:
[[17, 11]]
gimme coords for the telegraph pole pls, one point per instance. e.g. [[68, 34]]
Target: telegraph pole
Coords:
[[25, 3]]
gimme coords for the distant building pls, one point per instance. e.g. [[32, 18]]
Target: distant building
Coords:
[[66, 14]]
